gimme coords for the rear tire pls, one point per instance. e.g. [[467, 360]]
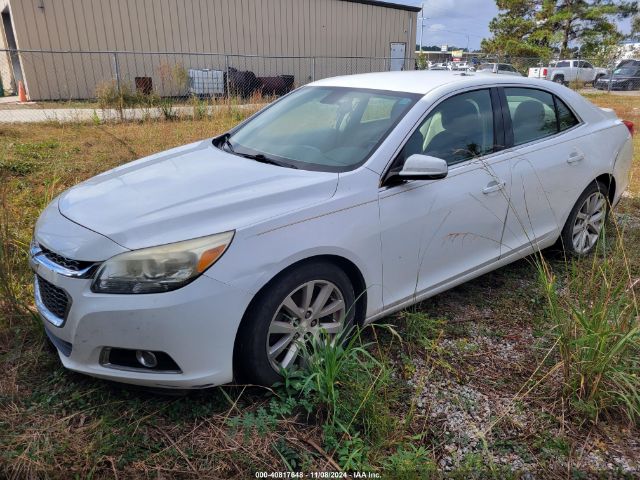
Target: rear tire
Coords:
[[586, 221], [259, 337], [558, 79]]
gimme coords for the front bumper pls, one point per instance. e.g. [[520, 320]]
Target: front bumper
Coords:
[[624, 85], [195, 325]]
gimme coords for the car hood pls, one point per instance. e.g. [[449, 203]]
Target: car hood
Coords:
[[189, 192]]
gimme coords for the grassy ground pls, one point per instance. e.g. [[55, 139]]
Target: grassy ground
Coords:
[[463, 385]]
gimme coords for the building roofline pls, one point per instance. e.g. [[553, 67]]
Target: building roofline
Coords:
[[379, 3]]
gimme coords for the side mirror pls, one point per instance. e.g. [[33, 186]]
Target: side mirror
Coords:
[[423, 167]]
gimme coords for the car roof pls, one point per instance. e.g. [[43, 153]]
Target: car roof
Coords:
[[420, 81]]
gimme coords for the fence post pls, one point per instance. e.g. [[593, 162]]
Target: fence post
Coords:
[[226, 67], [116, 67], [313, 69]]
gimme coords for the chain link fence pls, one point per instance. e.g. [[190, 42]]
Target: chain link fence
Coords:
[[129, 85], [103, 85]]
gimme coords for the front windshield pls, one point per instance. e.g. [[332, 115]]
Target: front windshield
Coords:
[[626, 71], [322, 128], [486, 66]]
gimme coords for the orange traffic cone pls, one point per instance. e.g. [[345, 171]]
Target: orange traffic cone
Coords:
[[22, 95]]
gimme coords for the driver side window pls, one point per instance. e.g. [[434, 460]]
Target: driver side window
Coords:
[[458, 129]]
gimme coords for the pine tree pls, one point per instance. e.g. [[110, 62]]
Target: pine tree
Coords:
[[541, 27]]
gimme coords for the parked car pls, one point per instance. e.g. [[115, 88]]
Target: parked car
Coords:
[[438, 66], [626, 76], [343, 202], [463, 67], [499, 68], [567, 71]]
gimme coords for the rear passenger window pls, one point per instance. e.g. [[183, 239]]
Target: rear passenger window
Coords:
[[566, 118], [533, 114]]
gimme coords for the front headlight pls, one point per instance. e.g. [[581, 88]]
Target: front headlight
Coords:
[[160, 269]]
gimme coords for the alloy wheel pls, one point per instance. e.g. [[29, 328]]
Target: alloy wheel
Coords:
[[588, 223], [312, 308]]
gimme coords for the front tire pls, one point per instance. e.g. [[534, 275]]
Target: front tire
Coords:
[[294, 310], [586, 221]]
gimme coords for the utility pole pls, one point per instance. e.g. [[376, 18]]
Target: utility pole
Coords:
[[422, 18]]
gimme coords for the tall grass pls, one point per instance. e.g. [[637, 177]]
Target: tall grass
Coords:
[[595, 319]]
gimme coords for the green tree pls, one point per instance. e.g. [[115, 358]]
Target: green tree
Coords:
[[520, 30], [541, 27], [591, 24], [635, 26]]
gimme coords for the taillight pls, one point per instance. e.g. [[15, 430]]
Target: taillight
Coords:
[[630, 126], [544, 72]]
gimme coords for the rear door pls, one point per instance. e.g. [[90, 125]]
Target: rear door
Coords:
[[549, 167]]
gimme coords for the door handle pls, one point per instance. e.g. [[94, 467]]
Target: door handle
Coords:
[[493, 187], [575, 157]]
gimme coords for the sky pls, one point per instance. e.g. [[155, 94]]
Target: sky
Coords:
[[456, 22]]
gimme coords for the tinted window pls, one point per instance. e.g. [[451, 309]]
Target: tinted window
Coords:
[[563, 64], [566, 118], [457, 129], [533, 114], [587, 65]]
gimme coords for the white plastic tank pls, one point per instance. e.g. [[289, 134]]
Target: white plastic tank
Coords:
[[206, 82]]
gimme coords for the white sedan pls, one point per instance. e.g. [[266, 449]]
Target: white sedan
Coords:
[[343, 202]]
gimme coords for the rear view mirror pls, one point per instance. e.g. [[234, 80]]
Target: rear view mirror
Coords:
[[424, 167]]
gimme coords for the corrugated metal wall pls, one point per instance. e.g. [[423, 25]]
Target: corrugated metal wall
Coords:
[[296, 28]]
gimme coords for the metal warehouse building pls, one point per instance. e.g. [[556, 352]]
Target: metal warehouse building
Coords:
[[67, 48]]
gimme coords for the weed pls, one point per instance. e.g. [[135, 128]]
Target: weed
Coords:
[[95, 118], [410, 461], [595, 318], [200, 108], [350, 449], [420, 328]]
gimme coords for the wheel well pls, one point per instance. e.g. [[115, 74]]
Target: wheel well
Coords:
[[352, 271], [608, 180]]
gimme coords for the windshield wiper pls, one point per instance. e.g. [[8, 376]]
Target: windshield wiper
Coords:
[[225, 144], [262, 158]]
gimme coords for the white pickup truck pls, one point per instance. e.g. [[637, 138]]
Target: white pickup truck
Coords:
[[567, 71]]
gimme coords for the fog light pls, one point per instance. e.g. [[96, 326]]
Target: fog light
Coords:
[[146, 358]]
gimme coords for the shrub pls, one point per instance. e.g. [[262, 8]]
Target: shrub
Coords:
[[117, 97]]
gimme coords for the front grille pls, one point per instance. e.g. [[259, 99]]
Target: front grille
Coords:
[[54, 298], [68, 263]]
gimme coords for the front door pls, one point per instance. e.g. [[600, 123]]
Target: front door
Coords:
[[433, 232]]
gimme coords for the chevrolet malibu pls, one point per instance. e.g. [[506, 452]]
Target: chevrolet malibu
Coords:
[[344, 201]]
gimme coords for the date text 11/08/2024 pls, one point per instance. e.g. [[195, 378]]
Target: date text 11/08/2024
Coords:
[[317, 475]]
